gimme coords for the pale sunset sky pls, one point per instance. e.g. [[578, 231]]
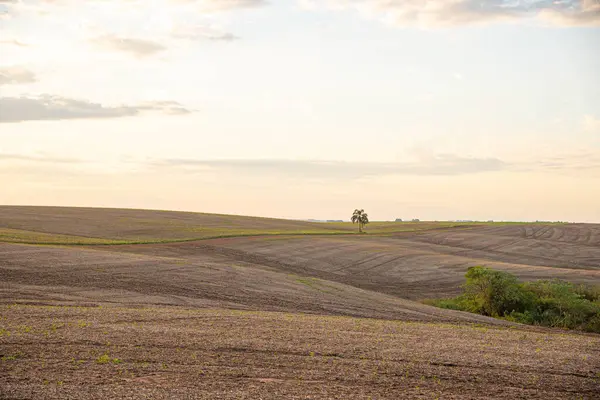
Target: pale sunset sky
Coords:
[[453, 109]]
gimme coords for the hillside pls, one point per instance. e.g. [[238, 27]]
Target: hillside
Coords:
[[130, 301], [72, 225]]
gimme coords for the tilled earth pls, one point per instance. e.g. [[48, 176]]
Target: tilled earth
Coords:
[[289, 317], [411, 265], [75, 275], [172, 352]]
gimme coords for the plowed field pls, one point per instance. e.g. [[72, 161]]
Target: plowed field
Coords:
[[295, 313]]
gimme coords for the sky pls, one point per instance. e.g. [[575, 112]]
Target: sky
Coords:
[[438, 110]]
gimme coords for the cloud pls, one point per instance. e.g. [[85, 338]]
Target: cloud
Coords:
[[224, 5], [166, 107], [586, 14], [4, 7], [437, 165], [576, 162], [16, 75], [425, 164], [572, 159], [48, 107], [13, 42], [202, 32], [137, 47], [137, 27], [442, 13], [14, 8], [38, 157]]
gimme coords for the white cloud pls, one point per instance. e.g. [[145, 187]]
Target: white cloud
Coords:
[[48, 107], [139, 28], [223, 5], [587, 14], [436, 13], [37, 157], [13, 42], [573, 162], [202, 32], [137, 47], [443, 164], [16, 75], [423, 162]]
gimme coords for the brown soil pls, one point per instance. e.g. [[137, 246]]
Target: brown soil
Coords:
[[174, 352], [139, 224], [230, 318], [411, 265], [195, 275]]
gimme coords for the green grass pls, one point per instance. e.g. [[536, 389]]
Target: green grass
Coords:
[[31, 237], [23, 236], [317, 284], [389, 227], [106, 359], [96, 226], [27, 237]]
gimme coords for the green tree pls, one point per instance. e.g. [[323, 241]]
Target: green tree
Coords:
[[553, 303], [494, 293], [361, 218]]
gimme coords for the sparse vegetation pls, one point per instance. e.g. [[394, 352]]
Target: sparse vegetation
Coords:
[[105, 359], [299, 355], [345, 323], [11, 357], [83, 324], [58, 226], [553, 303]]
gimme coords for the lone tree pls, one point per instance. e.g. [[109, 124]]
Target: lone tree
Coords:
[[360, 217]]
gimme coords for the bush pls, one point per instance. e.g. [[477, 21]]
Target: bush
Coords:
[[493, 293], [562, 304], [552, 303], [591, 293]]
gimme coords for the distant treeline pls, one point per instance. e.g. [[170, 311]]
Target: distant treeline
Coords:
[[552, 303]]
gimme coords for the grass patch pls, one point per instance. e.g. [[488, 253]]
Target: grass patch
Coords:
[[12, 357], [317, 284], [28, 237], [328, 229], [106, 359], [31, 237], [553, 303], [96, 226]]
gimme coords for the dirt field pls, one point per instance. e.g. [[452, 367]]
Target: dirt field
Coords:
[[278, 316], [165, 353], [68, 225]]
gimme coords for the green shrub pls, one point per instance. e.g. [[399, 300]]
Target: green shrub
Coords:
[[552, 303], [591, 293], [562, 304], [493, 293]]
